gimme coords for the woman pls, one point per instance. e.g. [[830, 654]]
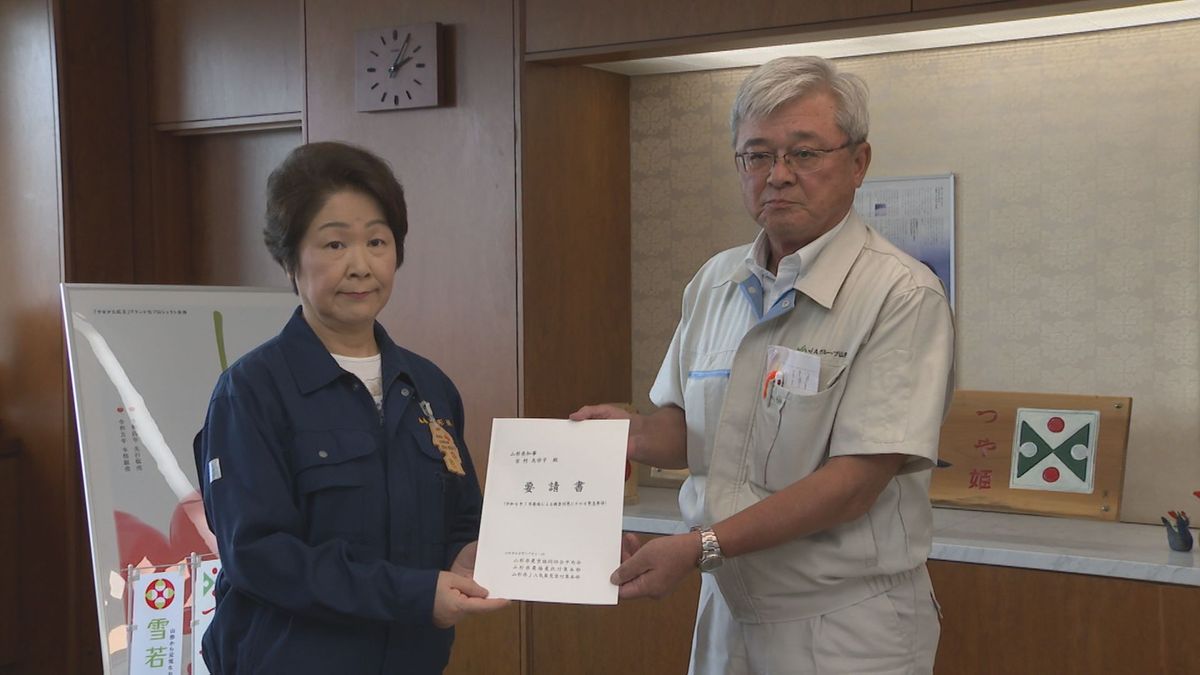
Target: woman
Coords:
[[333, 469]]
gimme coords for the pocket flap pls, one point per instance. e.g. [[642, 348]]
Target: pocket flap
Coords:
[[424, 438], [327, 448]]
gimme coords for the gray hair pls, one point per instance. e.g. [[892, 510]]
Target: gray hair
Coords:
[[778, 81]]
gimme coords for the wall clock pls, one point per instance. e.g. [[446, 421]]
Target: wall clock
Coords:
[[398, 67]]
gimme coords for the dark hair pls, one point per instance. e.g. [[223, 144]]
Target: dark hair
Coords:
[[310, 175]]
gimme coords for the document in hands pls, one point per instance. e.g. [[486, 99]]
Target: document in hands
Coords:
[[552, 506]]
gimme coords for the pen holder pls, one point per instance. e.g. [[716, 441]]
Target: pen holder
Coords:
[[1179, 537]]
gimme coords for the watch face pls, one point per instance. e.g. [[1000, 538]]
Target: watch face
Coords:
[[397, 67], [710, 563]]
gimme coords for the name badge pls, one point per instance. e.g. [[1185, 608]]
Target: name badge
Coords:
[[444, 442]]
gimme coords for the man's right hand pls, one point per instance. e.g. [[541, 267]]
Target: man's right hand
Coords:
[[608, 411], [658, 439]]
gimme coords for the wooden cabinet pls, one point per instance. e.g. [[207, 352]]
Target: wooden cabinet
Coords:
[[488, 643], [636, 636], [591, 30], [551, 25], [1001, 620], [213, 60], [995, 621]]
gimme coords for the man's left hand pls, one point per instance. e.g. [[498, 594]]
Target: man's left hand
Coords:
[[655, 569]]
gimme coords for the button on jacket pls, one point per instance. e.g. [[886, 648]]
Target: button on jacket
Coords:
[[332, 517]]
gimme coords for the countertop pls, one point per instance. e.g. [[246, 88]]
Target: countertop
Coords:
[[1122, 550]]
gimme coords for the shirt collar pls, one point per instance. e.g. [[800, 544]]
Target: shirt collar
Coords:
[[817, 276], [792, 266], [827, 273], [313, 366]]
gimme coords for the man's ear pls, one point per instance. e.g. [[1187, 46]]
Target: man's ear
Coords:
[[862, 161]]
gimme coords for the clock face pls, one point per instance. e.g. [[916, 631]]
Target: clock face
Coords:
[[397, 67]]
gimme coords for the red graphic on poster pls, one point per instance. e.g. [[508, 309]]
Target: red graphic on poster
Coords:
[[137, 540], [159, 594], [140, 543]]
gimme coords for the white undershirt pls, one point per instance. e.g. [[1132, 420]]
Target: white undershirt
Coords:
[[368, 369]]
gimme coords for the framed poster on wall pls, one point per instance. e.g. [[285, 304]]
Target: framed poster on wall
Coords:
[[917, 215], [144, 360]]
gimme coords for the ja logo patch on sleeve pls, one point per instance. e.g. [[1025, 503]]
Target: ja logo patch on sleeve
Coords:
[[1055, 450]]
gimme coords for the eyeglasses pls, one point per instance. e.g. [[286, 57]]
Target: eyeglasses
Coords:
[[798, 161]]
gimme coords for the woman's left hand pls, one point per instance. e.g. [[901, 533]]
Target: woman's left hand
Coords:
[[464, 562], [457, 596]]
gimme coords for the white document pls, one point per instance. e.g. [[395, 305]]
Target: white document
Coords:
[[552, 507], [792, 370]]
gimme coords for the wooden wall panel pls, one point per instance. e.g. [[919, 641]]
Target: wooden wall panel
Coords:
[[215, 59], [228, 184], [1002, 620], [455, 299], [552, 25], [455, 296], [96, 109], [161, 216], [488, 643], [575, 233], [636, 636], [57, 632], [10, 538]]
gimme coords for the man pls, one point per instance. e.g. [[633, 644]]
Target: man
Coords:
[[804, 389]]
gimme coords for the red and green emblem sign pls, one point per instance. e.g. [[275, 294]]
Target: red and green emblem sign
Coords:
[[1055, 450], [159, 594]]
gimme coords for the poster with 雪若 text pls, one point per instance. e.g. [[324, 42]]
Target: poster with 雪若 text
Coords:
[[144, 360]]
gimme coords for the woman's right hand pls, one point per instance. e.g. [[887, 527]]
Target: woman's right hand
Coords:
[[458, 596]]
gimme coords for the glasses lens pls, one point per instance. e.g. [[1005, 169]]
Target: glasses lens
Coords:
[[756, 162], [803, 160], [798, 161]]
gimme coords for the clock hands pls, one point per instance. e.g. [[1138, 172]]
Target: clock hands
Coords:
[[400, 60]]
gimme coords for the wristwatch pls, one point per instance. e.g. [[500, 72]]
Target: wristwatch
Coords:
[[710, 550]]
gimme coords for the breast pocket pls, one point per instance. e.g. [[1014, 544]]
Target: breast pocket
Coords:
[[703, 397], [791, 431], [439, 490], [333, 472]]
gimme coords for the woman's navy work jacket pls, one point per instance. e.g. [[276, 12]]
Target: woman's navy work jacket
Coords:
[[332, 519]]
